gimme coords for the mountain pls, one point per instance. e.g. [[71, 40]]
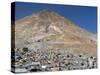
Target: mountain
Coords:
[[49, 30]]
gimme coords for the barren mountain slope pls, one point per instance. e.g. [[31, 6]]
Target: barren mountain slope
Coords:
[[47, 29]]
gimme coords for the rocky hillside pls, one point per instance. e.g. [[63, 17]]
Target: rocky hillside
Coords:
[[54, 31], [46, 41]]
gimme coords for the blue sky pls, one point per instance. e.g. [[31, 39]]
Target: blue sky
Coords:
[[83, 16]]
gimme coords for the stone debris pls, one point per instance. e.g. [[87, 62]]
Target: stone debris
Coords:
[[51, 60]]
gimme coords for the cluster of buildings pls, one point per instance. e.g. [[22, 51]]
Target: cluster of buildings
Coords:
[[51, 60]]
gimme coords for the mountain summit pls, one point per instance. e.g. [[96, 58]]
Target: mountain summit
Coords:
[[49, 30]]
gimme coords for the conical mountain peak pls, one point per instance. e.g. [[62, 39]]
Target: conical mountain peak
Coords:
[[48, 25], [46, 11]]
